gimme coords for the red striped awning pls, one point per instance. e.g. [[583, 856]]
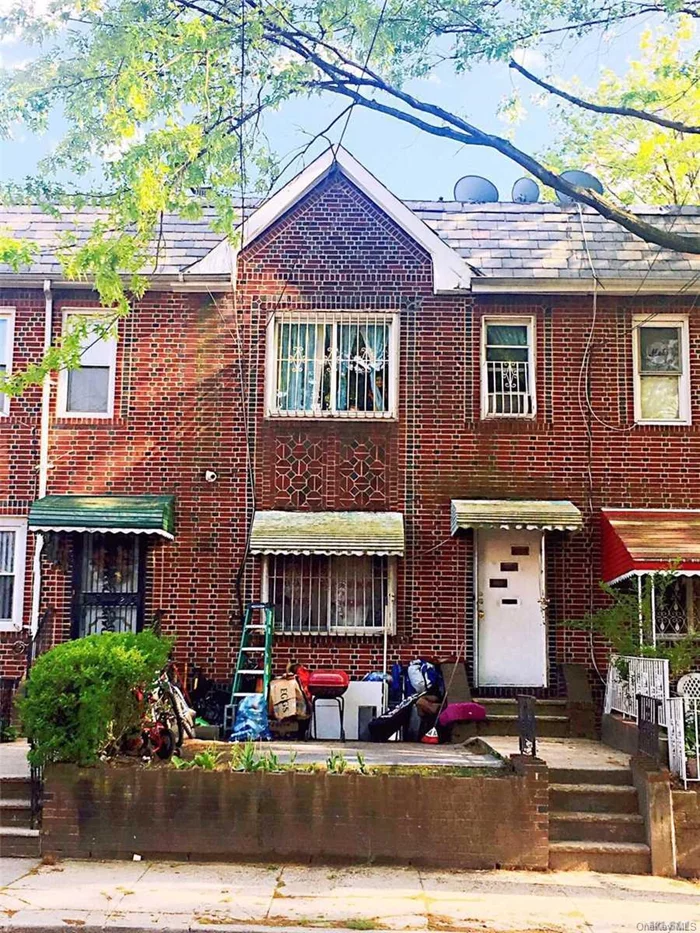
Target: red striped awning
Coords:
[[637, 541]]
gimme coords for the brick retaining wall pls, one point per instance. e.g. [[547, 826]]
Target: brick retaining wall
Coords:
[[452, 822]]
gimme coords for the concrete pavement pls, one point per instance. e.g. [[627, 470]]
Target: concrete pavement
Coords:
[[179, 897]]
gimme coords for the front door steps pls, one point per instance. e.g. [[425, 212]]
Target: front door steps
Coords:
[[17, 838], [502, 719], [594, 822]]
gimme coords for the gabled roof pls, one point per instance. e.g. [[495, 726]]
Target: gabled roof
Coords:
[[506, 247], [450, 271]]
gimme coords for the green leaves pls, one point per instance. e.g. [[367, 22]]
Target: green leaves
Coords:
[[640, 162], [80, 700], [16, 253]]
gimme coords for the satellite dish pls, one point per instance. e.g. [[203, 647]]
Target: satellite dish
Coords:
[[583, 180], [526, 191], [473, 189]]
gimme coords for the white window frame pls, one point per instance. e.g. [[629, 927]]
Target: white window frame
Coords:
[[331, 317], [62, 410], [640, 321], [8, 314], [390, 616], [510, 320], [19, 526]]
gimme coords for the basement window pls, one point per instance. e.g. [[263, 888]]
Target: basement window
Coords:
[[7, 319], [661, 367], [13, 543], [87, 391], [318, 594], [507, 368], [332, 366]]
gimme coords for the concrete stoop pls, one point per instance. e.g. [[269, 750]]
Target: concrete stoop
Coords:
[[594, 822], [502, 719], [17, 838]]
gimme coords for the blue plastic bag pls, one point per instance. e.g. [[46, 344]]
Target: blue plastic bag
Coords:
[[251, 720]]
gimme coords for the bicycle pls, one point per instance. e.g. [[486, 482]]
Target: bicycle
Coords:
[[169, 718]]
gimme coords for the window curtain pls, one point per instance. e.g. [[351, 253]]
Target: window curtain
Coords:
[[374, 336], [296, 387], [7, 574], [362, 354]]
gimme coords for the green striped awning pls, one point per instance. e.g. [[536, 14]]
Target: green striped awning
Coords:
[[546, 514], [327, 533], [131, 514]]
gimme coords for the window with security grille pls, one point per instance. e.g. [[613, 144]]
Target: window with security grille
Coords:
[[507, 385], [88, 389], [333, 365], [109, 584], [318, 594], [661, 370], [13, 539], [674, 609]]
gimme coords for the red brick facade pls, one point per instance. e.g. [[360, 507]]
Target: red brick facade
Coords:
[[190, 398]]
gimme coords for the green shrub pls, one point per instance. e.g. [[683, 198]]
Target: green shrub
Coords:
[[626, 623], [80, 700]]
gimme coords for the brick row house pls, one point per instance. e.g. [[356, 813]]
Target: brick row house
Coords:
[[418, 428]]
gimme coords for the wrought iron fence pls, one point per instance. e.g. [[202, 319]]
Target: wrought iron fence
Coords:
[[527, 725], [684, 737], [648, 713], [648, 676]]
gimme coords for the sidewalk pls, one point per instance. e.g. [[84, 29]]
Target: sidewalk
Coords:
[[143, 896]]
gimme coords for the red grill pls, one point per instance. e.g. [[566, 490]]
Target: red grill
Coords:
[[328, 684]]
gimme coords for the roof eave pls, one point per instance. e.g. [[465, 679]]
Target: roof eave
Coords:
[[220, 282], [585, 285]]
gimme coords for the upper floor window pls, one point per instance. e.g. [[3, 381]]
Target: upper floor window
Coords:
[[333, 365], [13, 542], [7, 319], [507, 366], [88, 390], [661, 365]]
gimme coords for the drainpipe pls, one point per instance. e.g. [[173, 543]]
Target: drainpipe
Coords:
[[43, 456]]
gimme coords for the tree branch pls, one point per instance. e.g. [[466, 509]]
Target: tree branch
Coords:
[[604, 108]]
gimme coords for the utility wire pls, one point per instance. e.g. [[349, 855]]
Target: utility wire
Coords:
[[364, 68]]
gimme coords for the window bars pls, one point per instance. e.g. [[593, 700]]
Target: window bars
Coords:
[[333, 365], [109, 598], [319, 594], [507, 376]]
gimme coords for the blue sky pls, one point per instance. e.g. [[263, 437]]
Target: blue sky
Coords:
[[411, 163]]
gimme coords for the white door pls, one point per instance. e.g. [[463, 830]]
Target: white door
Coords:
[[511, 626]]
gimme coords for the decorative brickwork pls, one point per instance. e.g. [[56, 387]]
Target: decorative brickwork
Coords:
[[363, 474], [300, 472]]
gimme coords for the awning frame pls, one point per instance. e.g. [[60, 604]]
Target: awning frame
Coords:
[[557, 514], [621, 554], [157, 512], [351, 534]]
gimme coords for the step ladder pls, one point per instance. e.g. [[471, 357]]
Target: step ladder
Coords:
[[254, 660]]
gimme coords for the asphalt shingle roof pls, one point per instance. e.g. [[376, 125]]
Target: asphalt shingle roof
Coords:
[[503, 240], [547, 240]]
